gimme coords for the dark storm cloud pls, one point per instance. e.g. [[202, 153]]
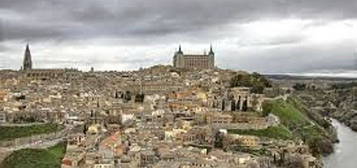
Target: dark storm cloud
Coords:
[[70, 19]]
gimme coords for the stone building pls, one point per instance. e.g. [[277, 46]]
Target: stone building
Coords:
[[44, 74], [2, 116], [48, 74], [219, 118], [151, 87], [231, 140], [157, 87], [238, 99], [75, 153], [205, 61], [3, 95]]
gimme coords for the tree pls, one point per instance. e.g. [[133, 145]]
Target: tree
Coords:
[[255, 81], [139, 98], [259, 89], [218, 140], [241, 80], [267, 108], [299, 86]]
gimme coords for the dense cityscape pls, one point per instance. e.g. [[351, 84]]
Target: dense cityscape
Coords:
[[178, 84], [189, 115]]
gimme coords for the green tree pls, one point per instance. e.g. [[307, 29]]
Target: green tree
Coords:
[[299, 86], [267, 108], [255, 81]]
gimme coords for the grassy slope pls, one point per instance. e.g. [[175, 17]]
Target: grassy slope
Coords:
[[293, 114], [295, 123], [9, 133], [36, 158]]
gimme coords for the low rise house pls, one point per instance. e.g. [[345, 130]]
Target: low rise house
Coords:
[[75, 151], [219, 118], [3, 117], [241, 140]]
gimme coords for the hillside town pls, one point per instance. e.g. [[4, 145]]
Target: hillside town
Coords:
[[192, 116]]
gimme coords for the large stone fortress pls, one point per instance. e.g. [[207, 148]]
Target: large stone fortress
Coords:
[[205, 61]]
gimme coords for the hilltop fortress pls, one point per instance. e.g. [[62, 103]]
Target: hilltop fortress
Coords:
[[189, 61]]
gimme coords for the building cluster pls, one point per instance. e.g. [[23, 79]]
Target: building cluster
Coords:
[[159, 117]]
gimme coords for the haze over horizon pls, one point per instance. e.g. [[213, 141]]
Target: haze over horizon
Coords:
[[273, 36]]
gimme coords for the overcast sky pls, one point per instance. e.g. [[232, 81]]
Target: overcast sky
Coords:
[[268, 36]]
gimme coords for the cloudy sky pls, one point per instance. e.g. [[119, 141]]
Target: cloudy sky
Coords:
[[268, 36]]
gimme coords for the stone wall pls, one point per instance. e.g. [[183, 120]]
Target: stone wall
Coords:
[[243, 126]]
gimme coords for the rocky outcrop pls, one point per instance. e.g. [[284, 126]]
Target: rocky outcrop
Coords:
[[348, 117], [338, 103]]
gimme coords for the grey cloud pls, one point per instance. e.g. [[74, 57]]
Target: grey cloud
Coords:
[[3, 48], [303, 58], [136, 18], [275, 42], [286, 40], [1, 32], [149, 22]]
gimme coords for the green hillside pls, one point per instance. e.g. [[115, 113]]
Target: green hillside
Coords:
[[36, 158], [295, 116], [12, 132], [277, 132]]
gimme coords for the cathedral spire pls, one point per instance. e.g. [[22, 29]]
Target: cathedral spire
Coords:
[[180, 51], [27, 64], [211, 51]]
